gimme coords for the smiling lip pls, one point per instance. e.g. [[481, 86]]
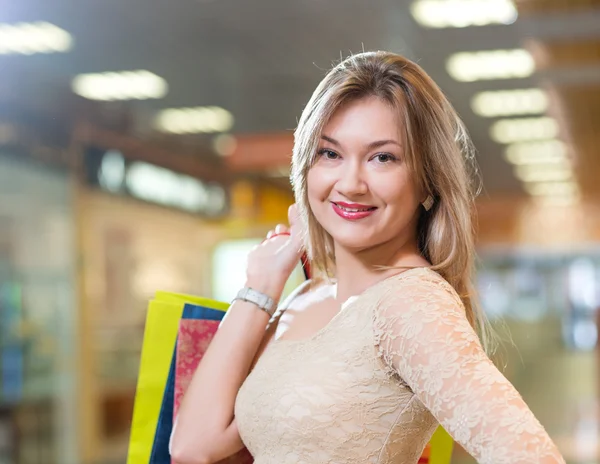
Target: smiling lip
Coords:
[[352, 211]]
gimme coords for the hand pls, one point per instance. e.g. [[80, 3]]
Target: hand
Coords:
[[271, 263]]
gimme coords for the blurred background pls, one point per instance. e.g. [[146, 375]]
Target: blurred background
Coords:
[[145, 145]]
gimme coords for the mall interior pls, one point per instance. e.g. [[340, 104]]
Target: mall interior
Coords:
[[146, 146]]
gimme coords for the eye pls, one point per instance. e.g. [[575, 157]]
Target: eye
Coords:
[[385, 158], [328, 154]]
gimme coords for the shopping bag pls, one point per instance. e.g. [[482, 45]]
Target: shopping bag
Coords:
[[441, 445], [160, 333], [192, 342], [160, 448], [193, 339]]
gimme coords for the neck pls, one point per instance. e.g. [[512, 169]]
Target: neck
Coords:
[[358, 270]]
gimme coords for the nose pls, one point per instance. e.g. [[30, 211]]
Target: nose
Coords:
[[352, 180]]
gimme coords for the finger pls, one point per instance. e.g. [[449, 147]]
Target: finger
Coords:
[[296, 226], [295, 220], [270, 234], [280, 229], [293, 215]]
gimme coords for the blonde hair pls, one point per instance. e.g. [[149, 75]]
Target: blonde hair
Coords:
[[438, 151]]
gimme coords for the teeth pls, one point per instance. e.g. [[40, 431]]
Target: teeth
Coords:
[[353, 210]]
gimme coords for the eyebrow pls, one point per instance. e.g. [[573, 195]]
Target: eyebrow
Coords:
[[370, 146]]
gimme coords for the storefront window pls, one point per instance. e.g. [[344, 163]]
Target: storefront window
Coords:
[[544, 308], [37, 315], [229, 269]]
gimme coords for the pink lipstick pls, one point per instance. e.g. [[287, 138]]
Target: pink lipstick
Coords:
[[352, 211]]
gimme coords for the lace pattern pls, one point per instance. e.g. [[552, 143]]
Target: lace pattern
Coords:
[[424, 337], [372, 385]]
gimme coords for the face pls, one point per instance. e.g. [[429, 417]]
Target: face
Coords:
[[360, 188]]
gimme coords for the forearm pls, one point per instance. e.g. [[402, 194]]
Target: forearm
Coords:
[[206, 411], [204, 430]]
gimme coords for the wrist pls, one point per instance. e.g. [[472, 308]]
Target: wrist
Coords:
[[260, 299], [272, 289]]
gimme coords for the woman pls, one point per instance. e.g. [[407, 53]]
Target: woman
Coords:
[[361, 364]]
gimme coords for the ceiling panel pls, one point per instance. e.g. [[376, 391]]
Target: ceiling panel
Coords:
[[262, 59], [534, 7], [580, 113], [576, 102]]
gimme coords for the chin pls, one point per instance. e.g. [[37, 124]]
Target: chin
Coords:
[[353, 240], [349, 235]]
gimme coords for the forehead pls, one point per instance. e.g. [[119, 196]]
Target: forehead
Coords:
[[367, 118]]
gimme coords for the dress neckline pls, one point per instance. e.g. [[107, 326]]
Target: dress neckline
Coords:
[[345, 307]]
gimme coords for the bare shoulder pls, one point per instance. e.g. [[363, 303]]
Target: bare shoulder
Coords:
[[308, 308], [303, 297], [311, 292]]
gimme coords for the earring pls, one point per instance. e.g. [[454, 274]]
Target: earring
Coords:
[[428, 203]]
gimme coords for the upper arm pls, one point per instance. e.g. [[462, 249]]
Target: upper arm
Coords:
[[230, 441], [267, 338], [423, 336]]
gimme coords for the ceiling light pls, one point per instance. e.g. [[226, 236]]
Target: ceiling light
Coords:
[[544, 173], [546, 151], [554, 193], [520, 130], [30, 38], [124, 85], [568, 200], [519, 159], [194, 120], [224, 144], [493, 64], [563, 165], [568, 188], [463, 13], [510, 102]]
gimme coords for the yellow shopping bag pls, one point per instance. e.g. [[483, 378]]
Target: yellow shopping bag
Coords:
[[440, 447], [160, 334]]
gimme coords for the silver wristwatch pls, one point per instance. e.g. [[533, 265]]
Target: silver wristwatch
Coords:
[[264, 302]]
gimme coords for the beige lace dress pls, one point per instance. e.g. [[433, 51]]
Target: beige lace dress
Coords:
[[375, 382]]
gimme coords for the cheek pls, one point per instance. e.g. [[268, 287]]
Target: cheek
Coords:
[[316, 185], [394, 189], [312, 191], [317, 192]]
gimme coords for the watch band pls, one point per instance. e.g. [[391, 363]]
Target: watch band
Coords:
[[263, 301]]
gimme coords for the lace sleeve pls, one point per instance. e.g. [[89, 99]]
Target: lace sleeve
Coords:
[[424, 337]]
